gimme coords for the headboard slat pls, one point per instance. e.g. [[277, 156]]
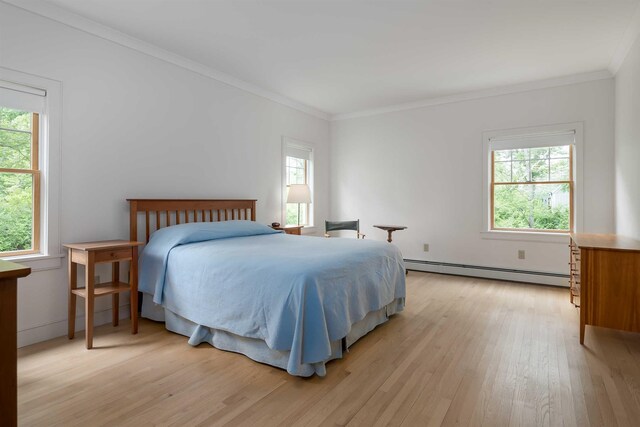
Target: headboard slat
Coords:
[[146, 214]]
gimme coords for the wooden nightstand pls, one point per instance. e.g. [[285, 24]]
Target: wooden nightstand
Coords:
[[89, 254], [290, 229]]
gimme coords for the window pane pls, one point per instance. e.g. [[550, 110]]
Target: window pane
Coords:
[[295, 162], [296, 176], [520, 172], [15, 150], [502, 172], [540, 170], [559, 169], [539, 153], [532, 206], [562, 151], [520, 154], [501, 155], [292, 214], [15, 119], [16, 211]]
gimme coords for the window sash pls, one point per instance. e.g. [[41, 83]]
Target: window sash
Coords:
[[305, 208], [36, 179], [570, 182]]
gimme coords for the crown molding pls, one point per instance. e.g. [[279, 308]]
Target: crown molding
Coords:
[[78, 22], [484, 93], [631, 35]]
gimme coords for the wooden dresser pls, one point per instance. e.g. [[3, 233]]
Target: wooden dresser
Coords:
[[9, 274], [605, 281]]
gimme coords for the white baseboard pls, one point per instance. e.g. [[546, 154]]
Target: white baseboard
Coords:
[[58, 329], [541, 278]]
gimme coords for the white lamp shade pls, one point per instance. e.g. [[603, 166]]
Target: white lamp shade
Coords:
[[299, 193]]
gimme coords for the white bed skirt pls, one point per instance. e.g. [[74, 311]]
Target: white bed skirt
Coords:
[[257, 349]]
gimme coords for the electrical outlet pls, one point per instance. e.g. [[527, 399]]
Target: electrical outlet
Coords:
[[426, 247], [520, 254]]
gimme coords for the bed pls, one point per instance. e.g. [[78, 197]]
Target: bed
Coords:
[[215, 275]]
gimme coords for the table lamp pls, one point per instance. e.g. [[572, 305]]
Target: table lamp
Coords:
[[299, 193]]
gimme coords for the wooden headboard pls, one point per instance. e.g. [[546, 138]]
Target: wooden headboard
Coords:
[[160, 213]]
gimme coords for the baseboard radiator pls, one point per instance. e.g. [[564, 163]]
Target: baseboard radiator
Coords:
[[515, 275]]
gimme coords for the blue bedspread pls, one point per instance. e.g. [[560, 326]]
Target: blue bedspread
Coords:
[[296, 293]]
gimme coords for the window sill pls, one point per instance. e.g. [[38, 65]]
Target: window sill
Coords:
[[526, 236], [37, 262]]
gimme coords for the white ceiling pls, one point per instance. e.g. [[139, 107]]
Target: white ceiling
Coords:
[[346, 56]]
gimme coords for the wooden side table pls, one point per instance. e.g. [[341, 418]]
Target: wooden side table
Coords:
[[290, 229], [9, 274], [390, 229], [89, 254]]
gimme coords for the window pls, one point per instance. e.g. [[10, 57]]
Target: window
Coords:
[[532, 183], [297, 170], [19, 174], [30, 115]]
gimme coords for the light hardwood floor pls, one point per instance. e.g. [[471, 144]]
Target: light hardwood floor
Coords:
[[465, 351]]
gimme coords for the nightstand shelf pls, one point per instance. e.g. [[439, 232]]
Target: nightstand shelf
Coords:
[[103, 289]]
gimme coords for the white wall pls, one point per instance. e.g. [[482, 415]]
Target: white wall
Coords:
[[135, 126], [627, 145], [423, 168]]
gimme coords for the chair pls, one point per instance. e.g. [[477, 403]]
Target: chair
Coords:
[[342, 225]]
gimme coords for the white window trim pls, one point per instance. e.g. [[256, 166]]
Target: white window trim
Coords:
[[50, 255], [296, 143], [487, 232]]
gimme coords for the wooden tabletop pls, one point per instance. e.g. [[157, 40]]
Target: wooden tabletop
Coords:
[[11, 269], [605, 241], [104, 244], [391, 227]]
